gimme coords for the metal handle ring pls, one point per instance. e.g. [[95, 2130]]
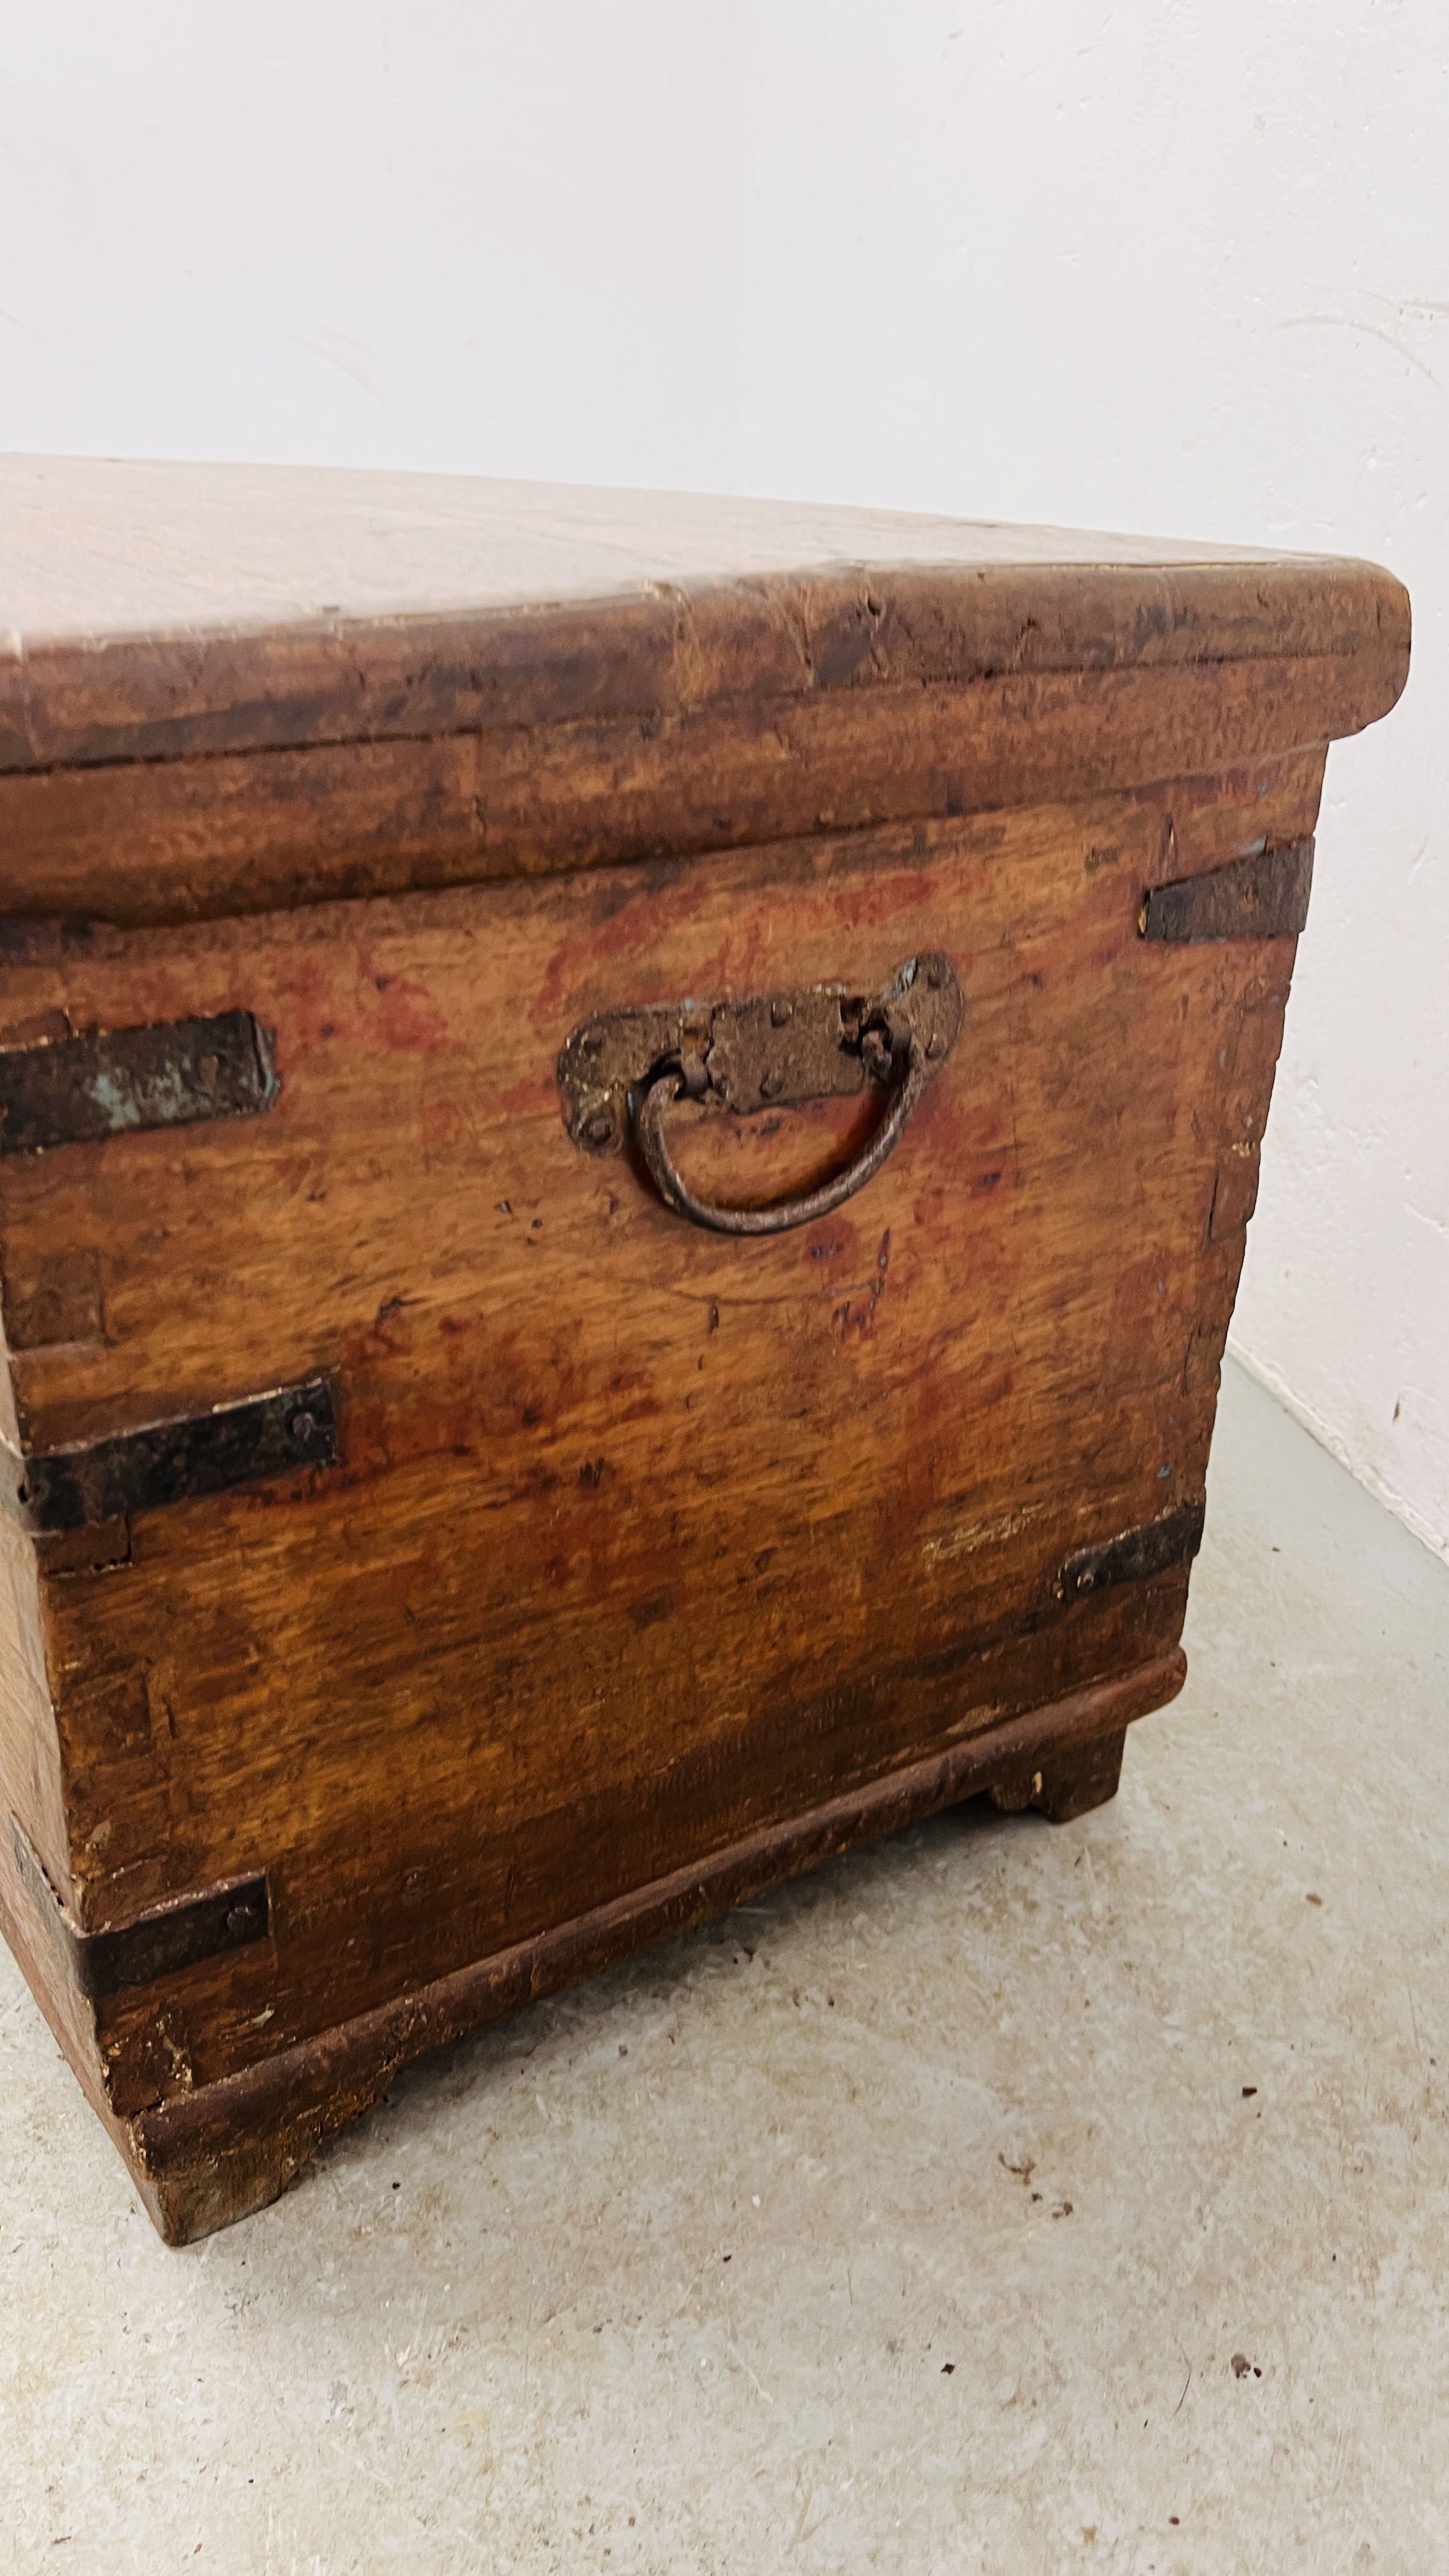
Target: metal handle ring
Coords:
[[909, 1071]]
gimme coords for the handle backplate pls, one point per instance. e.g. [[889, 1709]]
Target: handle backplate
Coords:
[[622, 1070], [773, 1051]]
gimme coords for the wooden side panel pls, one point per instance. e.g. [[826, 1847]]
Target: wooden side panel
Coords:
[[30, 1784], [31, 1791], [30, 1780], [642, 1541]]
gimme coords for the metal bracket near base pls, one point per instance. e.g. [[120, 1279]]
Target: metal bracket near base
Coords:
[[171, 1937], [1134, 1555]]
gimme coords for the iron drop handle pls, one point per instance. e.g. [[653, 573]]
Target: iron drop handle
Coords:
[[621, 1073]]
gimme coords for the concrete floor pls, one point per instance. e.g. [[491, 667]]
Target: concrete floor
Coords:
[[912, 2219]]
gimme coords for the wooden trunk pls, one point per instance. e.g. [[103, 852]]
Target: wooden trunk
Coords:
[[435, 1562]]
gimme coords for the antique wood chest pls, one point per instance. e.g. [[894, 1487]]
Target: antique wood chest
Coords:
[[626, 1126]]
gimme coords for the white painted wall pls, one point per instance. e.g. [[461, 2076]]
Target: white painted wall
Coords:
[[1179, 265]]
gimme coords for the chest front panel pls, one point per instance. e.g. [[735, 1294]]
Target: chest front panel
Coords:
[[637, 1538]]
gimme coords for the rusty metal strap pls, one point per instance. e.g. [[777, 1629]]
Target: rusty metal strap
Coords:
[[75, 1091], [157, 1944], [1134, 1554], [1264, 896], [276, 1434]]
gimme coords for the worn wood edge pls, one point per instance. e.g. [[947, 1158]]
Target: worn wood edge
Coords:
[[224, 2151], [148, 844], [680, 647]]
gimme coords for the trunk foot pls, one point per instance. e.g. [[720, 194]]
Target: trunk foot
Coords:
[[1067, 1784]]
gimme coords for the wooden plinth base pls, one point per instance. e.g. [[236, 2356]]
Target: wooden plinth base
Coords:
[[220, 2153]]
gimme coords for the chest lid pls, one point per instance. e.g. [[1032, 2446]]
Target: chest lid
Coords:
[[227, 688]]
